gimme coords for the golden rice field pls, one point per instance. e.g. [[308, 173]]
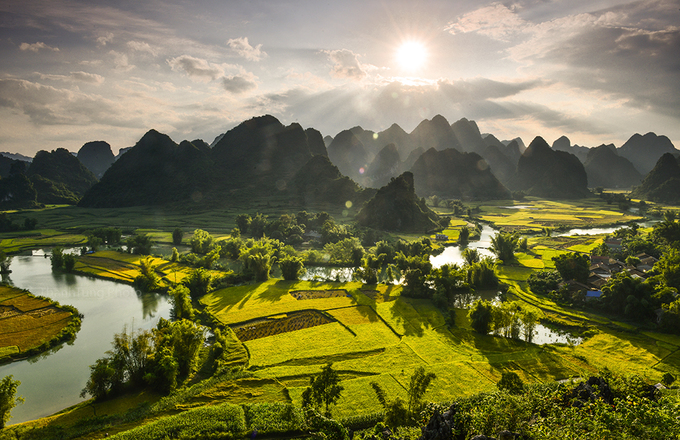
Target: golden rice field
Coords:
[[27, 322]]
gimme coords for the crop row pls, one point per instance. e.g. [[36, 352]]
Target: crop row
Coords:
[[294, 321]]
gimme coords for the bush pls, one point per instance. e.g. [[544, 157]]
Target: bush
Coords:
[[511, 383]]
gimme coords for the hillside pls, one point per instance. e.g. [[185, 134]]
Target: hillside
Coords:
[[607, 169], [435, 133], [564, 144], [349, 154], [396, 207], [319, 181], [451, 174], [662, 184], [97, 157], [59, 177], [155, 171], [386, 165], [544, 172], [645, 151]]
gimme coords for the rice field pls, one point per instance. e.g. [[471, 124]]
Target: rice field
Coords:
[[27, 322]]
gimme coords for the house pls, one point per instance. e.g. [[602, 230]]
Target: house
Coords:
[[614, 243], [442, 237], [597, 281], [593, 294]]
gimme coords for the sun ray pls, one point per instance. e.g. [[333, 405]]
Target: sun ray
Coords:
[[411, 55]]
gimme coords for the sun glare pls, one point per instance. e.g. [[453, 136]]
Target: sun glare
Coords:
[[411, 55]]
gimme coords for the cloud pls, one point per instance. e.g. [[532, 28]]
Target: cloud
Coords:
[[139, 46], [35, 47], [46, 105], [80, 76], [120, 61], [103, 40], [346, 64], [496, 21], [196, 68], [244, 49], [239, 83]]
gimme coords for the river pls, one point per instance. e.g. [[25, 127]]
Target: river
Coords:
[[52, 381]]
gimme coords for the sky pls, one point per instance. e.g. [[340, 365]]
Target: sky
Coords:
[[597, 71]]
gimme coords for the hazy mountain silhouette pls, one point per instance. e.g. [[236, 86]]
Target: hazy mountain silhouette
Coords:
[[564, 144], [395, 207], [17, 192], [662, 184], [319, 181], [97, 157], [544, 172], [452, 174], [434, 133], [607, 169], [316, 144], [468, 136], [348, 153], [386, 165], [645, 151], [502, 166]]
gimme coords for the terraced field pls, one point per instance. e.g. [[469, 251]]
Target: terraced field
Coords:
[[27, 322]]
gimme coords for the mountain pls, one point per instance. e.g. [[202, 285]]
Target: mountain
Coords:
[[468, 136], [17, 192], [564, 144], [348, 153], [261, 154], [397, 136], [544, 172], [520, 144], [316, 144], [645, 151], [490, 139], [662, 184], [122, 151], [412, 158], [395, 207], [16, 156], [97, 157], [502, 166], [607, 169], [6, 165], [386, 165], [319, 181], [434, 133], [155, 171], [451, 174], [69, 176]]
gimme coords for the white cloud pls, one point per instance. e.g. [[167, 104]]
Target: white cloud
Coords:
[[120, 61], [244, 49], [103, 40], [140, 46], [346, 64], [496, 21], [80, 76], [196, 68], [35, 47]]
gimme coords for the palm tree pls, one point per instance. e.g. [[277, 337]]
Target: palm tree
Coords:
[[504, 245]]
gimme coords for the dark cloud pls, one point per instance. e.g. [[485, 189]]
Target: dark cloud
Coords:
[[238, 83]]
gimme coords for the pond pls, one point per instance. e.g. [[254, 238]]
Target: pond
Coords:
[[454, 254], [52, 381]]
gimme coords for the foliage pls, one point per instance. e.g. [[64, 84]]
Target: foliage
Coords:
[[503, 245], [668, 379], [420, 381], [396, 413], [470, 256], [139, 244], [243, 222], [291, 268], [464, 235], [544, 281], [57, 258], [201, 242], [324, 389], [69, 262], [368, 272], [573, 266], [480, 315], [482, 273], [177, 236], [8, 399], [180, 297], [147, 280], [199, 282], [511, 383], [5, 262]]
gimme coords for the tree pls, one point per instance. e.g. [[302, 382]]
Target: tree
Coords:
[[243, 222], [504, 245], [573, 266], [5, 261], [181, 303], [69, 262], [201, 242], [139, 244], [177, 236], [529, 320], [464, 235], [199, 282], [57, 258], [511, 382], [175, 255], [323, 389], [420, 380], [480, 315], [396, 413], [147, 280], [470, 256], [668, 379], [100, 382], [291, 268], [8, 399]]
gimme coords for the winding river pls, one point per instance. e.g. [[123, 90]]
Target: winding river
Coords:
[[52, 381]]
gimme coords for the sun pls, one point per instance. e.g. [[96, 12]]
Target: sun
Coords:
[[411, 55]]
